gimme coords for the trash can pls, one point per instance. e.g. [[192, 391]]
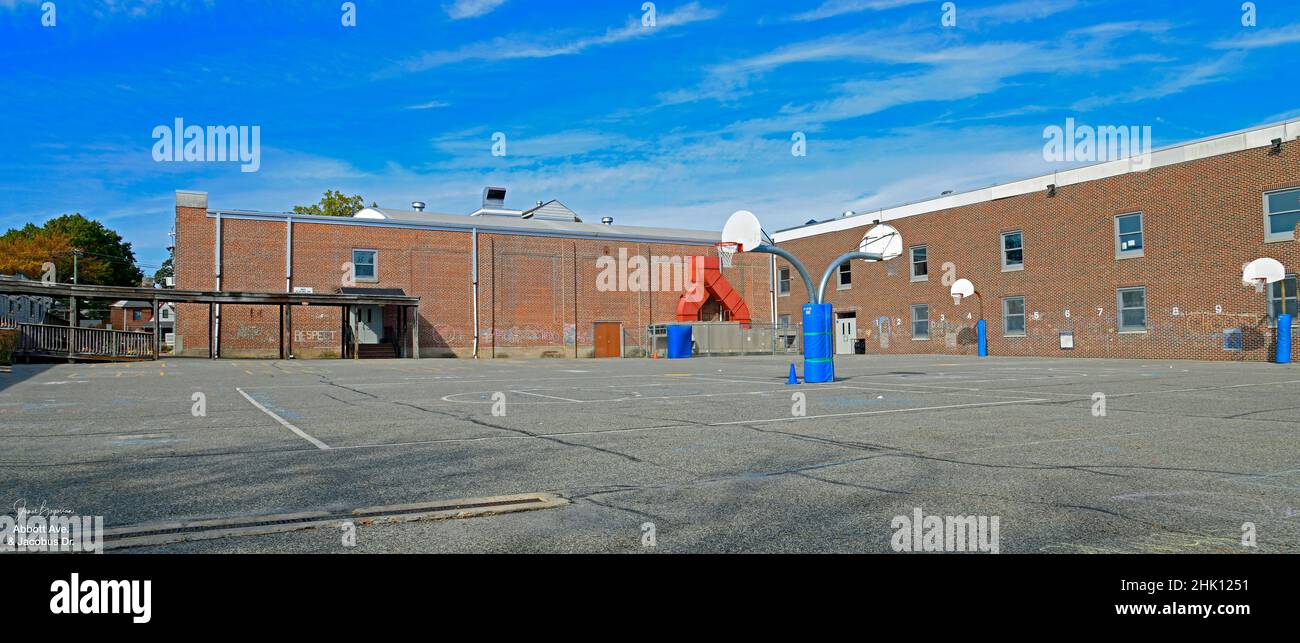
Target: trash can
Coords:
[[679, 341]]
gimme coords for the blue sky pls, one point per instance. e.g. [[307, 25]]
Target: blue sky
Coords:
[[678, 124]]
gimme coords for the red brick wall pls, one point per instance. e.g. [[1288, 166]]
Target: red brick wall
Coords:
[[123, 319], [1201, 220], [538, 295]]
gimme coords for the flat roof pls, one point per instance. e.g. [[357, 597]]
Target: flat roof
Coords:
[[9, 285], [1216, 145], [492, 225]]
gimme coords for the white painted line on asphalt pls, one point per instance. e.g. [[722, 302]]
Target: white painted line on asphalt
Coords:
[[553, 397], [904, 410], [302, 434]]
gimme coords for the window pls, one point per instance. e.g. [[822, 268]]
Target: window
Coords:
[[1132, 309], [783, 282], [137, 315], [784, 322], [1281, 214], [165, 314], [846, 275], [920, 267], [1128, 235], [920, 321], [1013, 316], [365, 265], [1013, 255], [1282, 299]]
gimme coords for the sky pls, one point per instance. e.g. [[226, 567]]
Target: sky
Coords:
[[673, 121]]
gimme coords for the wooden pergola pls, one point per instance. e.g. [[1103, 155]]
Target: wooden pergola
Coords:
[[284, 300]]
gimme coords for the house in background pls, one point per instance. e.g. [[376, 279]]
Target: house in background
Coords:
[[131, 315]]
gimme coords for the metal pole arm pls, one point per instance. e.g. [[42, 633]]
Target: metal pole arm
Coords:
[[794, 261], [830, 270]]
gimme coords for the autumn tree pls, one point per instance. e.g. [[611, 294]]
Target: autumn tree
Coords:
[[106, 258], [335, 204]]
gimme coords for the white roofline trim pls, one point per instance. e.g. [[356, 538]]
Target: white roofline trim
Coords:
[[482, 225], [1216, 145]]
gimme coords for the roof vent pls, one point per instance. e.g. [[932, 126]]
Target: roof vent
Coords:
[[494, 198], [418, 206], [607, 220]]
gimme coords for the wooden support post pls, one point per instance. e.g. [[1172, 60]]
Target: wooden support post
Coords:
[[356, 337], [415, 331], [156, 345], [288, 312], [280, 334], [212, 332]]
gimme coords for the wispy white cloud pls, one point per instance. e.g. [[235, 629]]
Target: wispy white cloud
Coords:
[[1178, 80], [1014, 12], [462, 9], [433, 104], [832, 8], [530, 45], [929, 68], [1288, 35]]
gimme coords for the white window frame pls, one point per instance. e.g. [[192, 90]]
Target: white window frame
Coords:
[[1269, 235], [912, 262], [926, 307], [374, 263], [1002, 249], [783, 281], [1006, 318], [844, 270], [1119, 308], [1141, 233], [1273, 311]]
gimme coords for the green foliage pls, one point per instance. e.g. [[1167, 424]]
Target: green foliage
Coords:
[[8, 342], [335, 204], [107, 260]]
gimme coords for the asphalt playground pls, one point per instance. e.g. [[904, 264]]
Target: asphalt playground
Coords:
[[718, 454]]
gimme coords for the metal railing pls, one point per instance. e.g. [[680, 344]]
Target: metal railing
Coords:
[[728, 338], [83, 343]]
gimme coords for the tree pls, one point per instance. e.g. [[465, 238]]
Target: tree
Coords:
[[164, 271], [107, 260], [335, 204], [27, 255]]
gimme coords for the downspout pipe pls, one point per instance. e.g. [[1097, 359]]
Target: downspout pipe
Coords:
[[215, 340], [474, 284]]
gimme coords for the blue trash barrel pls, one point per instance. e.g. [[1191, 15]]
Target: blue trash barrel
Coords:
[[1284, 339], [818, 355], [679, 341]]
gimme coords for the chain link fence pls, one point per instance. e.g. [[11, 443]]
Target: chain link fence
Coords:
[[726, 338]]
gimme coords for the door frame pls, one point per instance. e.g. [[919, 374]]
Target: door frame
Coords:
[[354, 314], [839, 319], [621, 347]]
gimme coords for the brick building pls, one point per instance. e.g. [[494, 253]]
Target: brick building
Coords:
[[1125, 261], [130, 315], [496, 283]]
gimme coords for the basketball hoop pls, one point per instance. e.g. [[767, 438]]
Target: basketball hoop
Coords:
[[1261, 272], [956, 299], [726, 252]]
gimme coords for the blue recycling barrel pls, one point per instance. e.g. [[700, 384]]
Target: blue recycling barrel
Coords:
[[679, 341], [818, 347], [1284, 339]]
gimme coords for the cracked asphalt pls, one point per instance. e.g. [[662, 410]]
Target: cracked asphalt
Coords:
[[712, 452]]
